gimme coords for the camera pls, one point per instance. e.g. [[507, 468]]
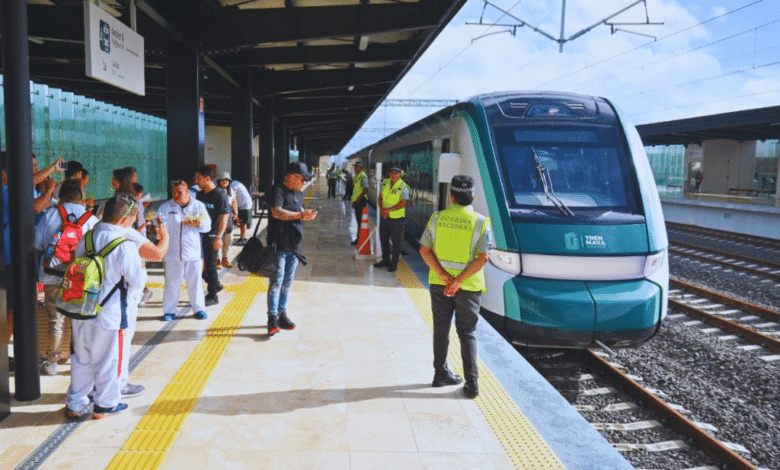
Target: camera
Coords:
[[63, 166]]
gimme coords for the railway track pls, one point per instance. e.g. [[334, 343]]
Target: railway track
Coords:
[[761, 242], [624, 421], [730, 260], [760, 326]]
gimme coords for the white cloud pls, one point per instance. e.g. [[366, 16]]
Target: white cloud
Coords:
[[651, 80]]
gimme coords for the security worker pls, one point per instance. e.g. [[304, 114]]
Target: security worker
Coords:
[[359, 193], [392, 202], [455, 246]]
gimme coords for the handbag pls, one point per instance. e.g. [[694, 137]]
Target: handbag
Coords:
[[258, 259]]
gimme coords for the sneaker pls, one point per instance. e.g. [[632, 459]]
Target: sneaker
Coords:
[[382, 264], [220, 287], [219, 264], [440, 379], [49, 367], [285, 323], [98, 412], [168, 316], [240, 242], [130, 390], [200, 315], [73, 414], [226, 263], [145, 297], [471, 389], [211, 299], [273, 327]]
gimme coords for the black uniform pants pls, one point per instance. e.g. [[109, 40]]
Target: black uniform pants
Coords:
[[359, 214], [210, 273], [465, 307], [332, 188], [391, 229]]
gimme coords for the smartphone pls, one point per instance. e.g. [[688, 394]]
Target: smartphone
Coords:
[[63, 166]]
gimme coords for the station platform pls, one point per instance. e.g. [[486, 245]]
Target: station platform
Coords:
[[757, 216], [348, 388]]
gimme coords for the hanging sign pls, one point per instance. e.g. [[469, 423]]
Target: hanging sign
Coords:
[[114, 53]]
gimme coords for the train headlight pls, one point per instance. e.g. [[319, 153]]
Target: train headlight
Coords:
[[506, 261], [653, 263]]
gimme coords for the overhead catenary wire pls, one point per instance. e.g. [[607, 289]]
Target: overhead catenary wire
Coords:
[[705, 102], [647, 44]]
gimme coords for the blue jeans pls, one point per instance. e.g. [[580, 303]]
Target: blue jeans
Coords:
[[279, 285]]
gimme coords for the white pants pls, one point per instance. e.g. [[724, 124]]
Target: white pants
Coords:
[[191, 271], [93, 365], [133, 297]]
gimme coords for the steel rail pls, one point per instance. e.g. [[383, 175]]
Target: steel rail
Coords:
[[759, 272], [760, 241], [706, 442], [747, 259], [753, 309]]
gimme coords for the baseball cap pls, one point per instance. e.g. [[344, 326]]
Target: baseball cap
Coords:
[[396, 169], [462, 184], [299, 168]]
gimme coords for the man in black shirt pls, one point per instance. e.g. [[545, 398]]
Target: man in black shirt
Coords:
[[284, 229], [218, 207]]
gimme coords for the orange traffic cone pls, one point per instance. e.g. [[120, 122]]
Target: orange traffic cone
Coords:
[[364, 238]]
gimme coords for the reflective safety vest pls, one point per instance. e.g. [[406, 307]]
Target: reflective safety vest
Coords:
[[357, 190], [455, 232], [391, 195]]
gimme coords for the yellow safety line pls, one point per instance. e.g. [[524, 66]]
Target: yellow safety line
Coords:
[[151, 440], [522, 443]]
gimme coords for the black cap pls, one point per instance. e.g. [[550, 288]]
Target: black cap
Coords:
[[462, 184], [299, 168], [396, 169]]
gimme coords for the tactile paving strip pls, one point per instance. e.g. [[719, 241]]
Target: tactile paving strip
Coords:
[[522, 443], [154, 435]]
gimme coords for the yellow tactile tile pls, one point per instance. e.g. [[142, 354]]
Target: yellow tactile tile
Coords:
[[522, 443], [154, 435]]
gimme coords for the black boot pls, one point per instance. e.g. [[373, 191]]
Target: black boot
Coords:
[[284, 322]]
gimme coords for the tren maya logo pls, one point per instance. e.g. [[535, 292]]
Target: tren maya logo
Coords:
[[575, 241], [105, 37]]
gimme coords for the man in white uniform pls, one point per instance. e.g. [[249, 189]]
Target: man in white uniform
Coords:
[[97, 342], [186, 218]]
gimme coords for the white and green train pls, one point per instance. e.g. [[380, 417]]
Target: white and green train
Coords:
[[580, 252]]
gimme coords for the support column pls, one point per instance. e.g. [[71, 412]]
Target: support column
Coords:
[[186, 124], [22, 278], [266, 158], [281, 152], [241, 134]]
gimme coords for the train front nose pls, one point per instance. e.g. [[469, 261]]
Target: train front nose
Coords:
[[545, 312]]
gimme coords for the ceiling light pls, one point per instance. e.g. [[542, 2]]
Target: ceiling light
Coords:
[[363, 45], [351, 87]]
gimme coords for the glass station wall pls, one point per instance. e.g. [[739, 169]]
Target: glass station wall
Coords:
[[101, 136], [668, 164]]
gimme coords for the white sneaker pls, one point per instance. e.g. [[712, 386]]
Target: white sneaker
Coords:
[[145, 298], [49, 368]]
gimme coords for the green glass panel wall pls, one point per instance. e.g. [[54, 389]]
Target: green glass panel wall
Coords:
[[101, 136], [668, 165]]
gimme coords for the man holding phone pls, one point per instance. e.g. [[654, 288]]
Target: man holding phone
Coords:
[[285, 229]]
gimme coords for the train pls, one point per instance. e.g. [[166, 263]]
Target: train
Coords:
[[580, 255]]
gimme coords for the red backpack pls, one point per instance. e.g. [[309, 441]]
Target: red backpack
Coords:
[[63, 243]]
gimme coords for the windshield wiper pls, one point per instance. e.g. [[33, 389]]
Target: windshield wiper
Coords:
[[544, 175]]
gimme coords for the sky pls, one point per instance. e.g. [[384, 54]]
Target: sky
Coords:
[[707, 57]]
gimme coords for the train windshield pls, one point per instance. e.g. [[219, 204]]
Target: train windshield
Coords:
[[583, 168]]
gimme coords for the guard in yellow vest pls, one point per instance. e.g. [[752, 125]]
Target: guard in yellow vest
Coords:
[[392, 202], [359, 193], [455, 246]]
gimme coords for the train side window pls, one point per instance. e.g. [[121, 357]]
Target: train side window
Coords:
[[445, 146]]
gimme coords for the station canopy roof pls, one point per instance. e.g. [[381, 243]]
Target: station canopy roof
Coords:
[[321, 66], [752, 124]]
